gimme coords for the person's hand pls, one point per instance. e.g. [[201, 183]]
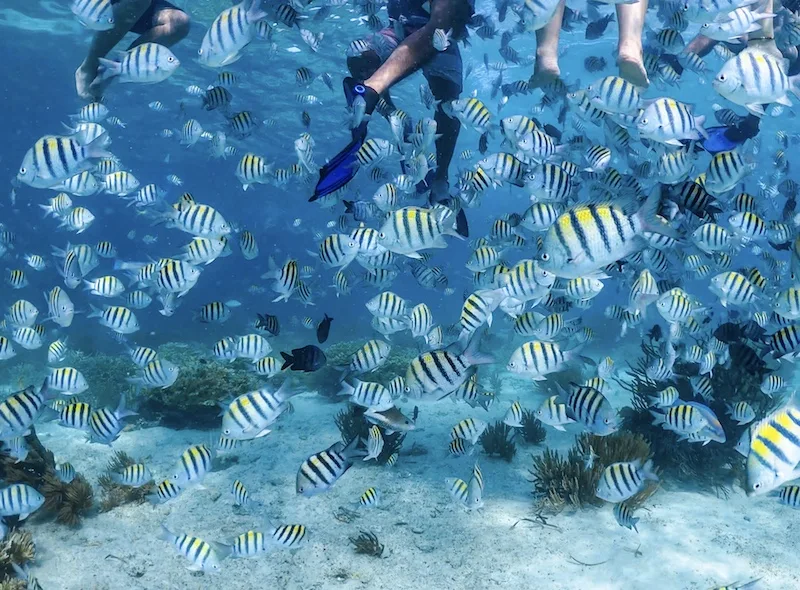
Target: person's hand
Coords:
[[84, 78]]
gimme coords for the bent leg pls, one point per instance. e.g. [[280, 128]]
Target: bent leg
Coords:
[[629, 58], [363, 66], [126, 14], [545, 68], [417, 48], [444, 90], [764, 39]]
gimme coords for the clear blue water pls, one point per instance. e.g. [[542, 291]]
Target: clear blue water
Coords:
[[42, 45]]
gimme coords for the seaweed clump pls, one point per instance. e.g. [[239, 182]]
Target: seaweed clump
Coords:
[[533, 432], [17, 548], [203, 381], [69, 501], [366, 543], [352, 424], [104, 372], [497, 440], [572, 480], [115, 494], [715, 465]]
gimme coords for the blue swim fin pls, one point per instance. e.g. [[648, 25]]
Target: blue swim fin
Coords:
[[341, 169], [718, 140]]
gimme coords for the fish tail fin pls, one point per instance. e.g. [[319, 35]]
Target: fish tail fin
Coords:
[[166, 534], [108, 69], [647, 471], [648, 217], [255, 11], [473, 354]]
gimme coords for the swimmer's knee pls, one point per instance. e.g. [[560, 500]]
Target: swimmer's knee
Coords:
[[178, 24], [364, 65]]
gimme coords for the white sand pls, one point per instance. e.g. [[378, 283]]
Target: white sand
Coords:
[[687, 540]]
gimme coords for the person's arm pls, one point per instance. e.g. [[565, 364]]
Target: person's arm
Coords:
[[418, 47]]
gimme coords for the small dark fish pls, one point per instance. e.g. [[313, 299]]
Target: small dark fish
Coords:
[[728, 332], [655, 333], [323, 329], [594, 64], [552, 131], [788, 188], [562, 114], [595, 29], [216, 97], [571, 17], [306, 120], [789, 208], [728, 117], [360, 210], [269, 323], [747, 358], [752, 331], [514, 219], [502, 9], [483, 143], [309, 358]]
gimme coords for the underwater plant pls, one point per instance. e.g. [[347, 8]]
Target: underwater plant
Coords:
[[114, 494], [572, 479], [533, 431], [366, 543], [714, 466], [106, 375], [69, 501], [17, 548], [203, 381], [352, 424], [497, 439], [13, 584]]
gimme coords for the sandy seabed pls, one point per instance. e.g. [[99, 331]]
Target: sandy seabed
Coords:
[[686, 540]]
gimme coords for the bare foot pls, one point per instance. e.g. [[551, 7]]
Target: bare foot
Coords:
[[84, 77], [631, 66], [545, 70]]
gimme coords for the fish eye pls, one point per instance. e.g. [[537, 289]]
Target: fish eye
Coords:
[[545, 257], [23, 170], [721, 77], [199, 52], [407, 389], [170, 59], [512, 364], [643, 121]]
